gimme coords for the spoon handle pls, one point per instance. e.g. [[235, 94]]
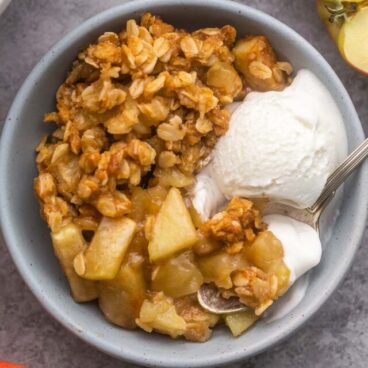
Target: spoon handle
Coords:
[[340, 175]]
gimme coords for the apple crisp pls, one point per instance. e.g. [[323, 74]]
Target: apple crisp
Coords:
[[135, 118]]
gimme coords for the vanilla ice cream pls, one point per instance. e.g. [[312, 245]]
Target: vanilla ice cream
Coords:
[[280, 145], [301, 243]]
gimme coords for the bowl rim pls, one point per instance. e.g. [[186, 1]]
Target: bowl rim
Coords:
[[7, 229]]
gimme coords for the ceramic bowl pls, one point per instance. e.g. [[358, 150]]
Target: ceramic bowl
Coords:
[[27, 235]]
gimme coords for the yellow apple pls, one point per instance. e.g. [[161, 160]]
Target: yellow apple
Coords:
[[67, 243], [240, 321], [173, 230], [103, 257], [353, 40], [347, 22], [121, 298]]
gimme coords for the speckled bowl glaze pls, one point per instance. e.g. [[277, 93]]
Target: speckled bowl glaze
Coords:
[[28, 238]]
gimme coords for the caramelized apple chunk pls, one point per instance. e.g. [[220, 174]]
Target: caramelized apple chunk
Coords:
[[267, 253], [219, 266], [178, 276], [240, 321], [120, 299], [225, 79], [158, 313], [256, 59], [67, 243], [146, 202], [173, 177], [173, 230], [103, 257]]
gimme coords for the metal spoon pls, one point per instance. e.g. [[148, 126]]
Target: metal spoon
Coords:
[[209, 296]]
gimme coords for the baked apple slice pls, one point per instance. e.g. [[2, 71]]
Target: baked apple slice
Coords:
[[173, 230]]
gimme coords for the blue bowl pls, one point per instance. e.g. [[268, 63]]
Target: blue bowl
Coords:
[[28, 238]]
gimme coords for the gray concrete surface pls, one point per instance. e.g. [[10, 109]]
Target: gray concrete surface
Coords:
[[336, 337]]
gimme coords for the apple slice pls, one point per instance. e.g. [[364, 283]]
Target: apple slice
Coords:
[[103, 257], [353, 40], [173, 230], [67, 243], [178, 276], [120, 299], [240, 321]]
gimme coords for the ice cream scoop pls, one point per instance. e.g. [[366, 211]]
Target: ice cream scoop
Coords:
[[280, 145]]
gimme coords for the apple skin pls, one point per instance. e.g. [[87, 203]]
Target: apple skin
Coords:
[[333, 28], [337, 30]]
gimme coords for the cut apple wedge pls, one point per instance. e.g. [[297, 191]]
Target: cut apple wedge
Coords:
[[67, 243], [178, 276], [173, 230], [353, 40], [120, 299], [103, 257], [347, 22], [240, 321]]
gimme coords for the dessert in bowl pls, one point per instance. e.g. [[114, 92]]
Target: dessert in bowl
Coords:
[[171, 200]]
